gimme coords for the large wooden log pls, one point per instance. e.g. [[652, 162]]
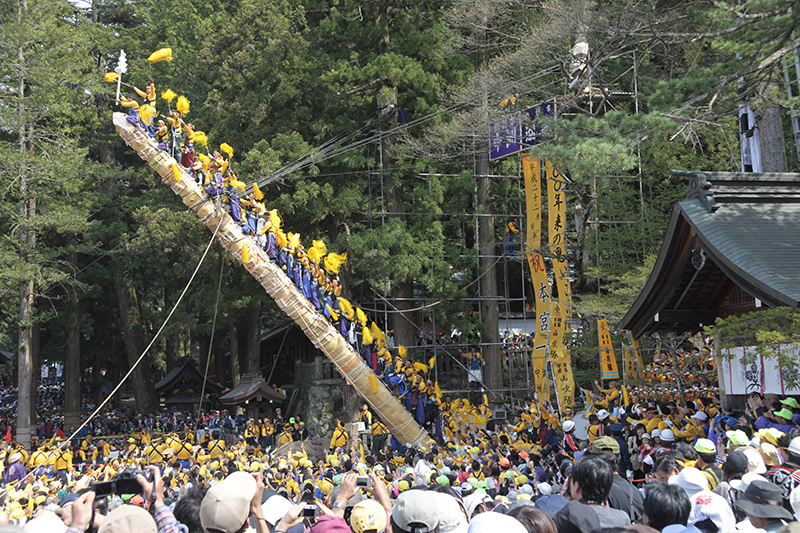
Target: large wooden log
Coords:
[[291, 301]]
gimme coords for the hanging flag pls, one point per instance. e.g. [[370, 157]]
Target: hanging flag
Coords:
[[556, 218], [628, 362], [560, 361], [531, 172], [560, 309], [7, 438], [541, 286], [637, 353], [608, 362], [562, 377]]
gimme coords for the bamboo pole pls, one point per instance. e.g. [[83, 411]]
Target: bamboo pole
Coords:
[[291, 301]]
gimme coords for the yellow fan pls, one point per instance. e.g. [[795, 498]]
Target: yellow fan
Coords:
[[169, 95], [183, 105], [111, 76], [401, 350], [345, 306], [373, 381], [225, 147], [361, 317], [257, 192], [280, 238], [294, 241], [164, 54], [367, 336], [275, 219], [334, 262], [200, 138]]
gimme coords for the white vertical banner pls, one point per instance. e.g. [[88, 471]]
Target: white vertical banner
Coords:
[[760, 374], [750, 140]]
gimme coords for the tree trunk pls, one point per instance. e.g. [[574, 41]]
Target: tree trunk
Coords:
[[254, 335], [582, 212], [351, 402], [143, 387], [220, 368], [25, 370], [171, 340], [490, 339], [488, 284], [770, 129], [234, 334], [72, 362]]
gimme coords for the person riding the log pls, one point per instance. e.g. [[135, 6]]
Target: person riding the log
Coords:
[[149, 94], [162, 135], [475, 374]]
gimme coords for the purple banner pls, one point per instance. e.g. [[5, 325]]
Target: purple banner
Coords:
[[517, 132]]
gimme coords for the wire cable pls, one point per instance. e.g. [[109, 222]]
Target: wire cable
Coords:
[[139, 360]]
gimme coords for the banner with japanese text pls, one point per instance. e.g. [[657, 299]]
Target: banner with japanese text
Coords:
[[541, 285], [557, 216], [531, 172], [561, 364], [608, 362], [560, 361]]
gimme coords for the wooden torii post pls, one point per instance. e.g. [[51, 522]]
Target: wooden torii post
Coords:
[[291, 301]]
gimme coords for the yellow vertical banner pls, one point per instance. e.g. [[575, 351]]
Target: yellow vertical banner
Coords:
[[628, 363], [541, 286], [637, 354], [560, 310], [560, 361], [531, 171], [557, 219], [562, 376], [541, 291], [608, 362]]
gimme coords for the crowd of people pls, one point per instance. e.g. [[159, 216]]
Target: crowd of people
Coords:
[[646, 459], [646, 462]]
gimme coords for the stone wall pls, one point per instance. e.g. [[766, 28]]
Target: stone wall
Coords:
[[320, 394]]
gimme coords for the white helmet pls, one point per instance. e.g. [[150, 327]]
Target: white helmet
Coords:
[[667, 435], [602, 414], [568, 426], [656, 433]]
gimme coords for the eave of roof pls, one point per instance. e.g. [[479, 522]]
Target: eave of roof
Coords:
[[747, 224]]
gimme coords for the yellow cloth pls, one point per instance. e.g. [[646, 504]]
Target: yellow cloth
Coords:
[[284, 438], [340, 437]]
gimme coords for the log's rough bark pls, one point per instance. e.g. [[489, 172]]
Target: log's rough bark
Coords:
[[321, 333]]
